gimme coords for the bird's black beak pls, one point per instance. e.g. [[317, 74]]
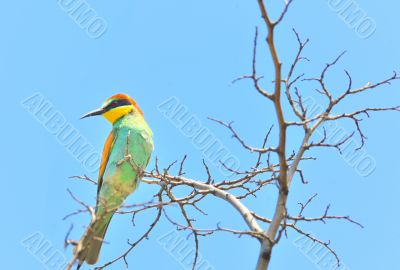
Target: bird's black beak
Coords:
[[94, 113]]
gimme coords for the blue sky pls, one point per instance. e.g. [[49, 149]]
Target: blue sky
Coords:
[[191, 50]]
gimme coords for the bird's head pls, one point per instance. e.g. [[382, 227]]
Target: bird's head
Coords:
[[115, 107]]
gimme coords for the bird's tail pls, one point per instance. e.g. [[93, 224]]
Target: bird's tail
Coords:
[[89, 246]]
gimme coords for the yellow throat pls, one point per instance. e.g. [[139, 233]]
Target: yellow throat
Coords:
[[116, 113]]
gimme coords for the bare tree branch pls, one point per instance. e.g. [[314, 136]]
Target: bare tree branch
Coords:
[[274, 166]]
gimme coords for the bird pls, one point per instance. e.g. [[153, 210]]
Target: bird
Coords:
[[126, 154]]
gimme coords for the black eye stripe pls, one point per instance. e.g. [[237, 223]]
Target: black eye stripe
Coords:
[[117, 103]]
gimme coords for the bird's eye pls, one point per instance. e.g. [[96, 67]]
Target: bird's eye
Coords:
[[114, 103], [117, 103]]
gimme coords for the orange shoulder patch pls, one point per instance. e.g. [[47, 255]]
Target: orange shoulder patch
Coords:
[[104, 158]]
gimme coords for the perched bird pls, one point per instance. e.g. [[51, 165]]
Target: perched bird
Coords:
[[126, 154]]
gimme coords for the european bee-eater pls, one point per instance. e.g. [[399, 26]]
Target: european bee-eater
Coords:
[[126, 154]]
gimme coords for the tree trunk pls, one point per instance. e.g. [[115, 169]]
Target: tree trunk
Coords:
[[264, 256]]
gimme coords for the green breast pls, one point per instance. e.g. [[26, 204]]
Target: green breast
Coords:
[[128, 159]]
